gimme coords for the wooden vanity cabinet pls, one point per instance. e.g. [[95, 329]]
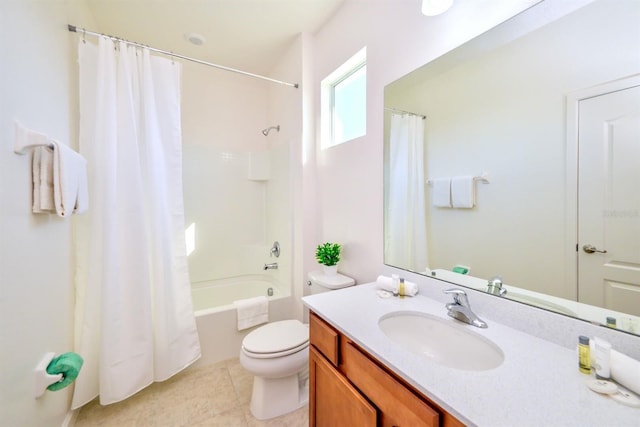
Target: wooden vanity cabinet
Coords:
[[333, 401], [348, 387]]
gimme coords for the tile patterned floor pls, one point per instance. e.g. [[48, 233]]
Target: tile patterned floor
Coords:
[[207, 396]]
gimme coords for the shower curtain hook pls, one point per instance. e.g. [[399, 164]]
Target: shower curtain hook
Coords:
[[84, 36]]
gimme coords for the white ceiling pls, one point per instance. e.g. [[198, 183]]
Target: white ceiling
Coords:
[[249, 35]]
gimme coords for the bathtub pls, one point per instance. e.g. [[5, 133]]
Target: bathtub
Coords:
[[216, 315]]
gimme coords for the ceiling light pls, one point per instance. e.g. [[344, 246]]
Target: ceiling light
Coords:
[[195, 38], [435, 7]]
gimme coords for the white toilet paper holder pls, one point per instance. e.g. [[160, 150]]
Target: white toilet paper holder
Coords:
[[42, 379]]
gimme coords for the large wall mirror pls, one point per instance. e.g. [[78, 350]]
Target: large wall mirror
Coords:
[[517, 156]]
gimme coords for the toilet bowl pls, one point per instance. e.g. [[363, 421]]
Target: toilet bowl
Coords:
[[277, 354]]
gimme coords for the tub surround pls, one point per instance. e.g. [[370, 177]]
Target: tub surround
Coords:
[[218, 294], [537, 384]]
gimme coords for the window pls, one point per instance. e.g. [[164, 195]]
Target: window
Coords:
[[344, 102]]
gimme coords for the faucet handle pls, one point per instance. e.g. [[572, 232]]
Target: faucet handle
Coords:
[[275, 250], [459, 296], [496, 280], [494, 286]]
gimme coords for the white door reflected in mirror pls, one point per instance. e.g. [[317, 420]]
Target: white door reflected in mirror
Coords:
[[609, 201]]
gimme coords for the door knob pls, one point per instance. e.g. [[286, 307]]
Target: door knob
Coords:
[[591, 249]]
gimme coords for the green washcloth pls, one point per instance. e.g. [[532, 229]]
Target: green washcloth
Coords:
[[67, 364], [460, 270]]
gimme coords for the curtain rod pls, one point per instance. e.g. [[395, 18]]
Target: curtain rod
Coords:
[[395, 110], [74, 29]]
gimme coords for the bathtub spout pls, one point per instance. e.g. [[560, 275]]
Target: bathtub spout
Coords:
[[271, 266]]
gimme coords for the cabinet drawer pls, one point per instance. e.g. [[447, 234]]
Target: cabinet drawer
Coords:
[[397, 404], [324, 338]]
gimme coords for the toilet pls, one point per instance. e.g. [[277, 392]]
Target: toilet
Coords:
[[277, 354]]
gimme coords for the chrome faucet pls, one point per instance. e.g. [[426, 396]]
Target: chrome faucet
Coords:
[[271, 266], [495, 286], [461, 310]]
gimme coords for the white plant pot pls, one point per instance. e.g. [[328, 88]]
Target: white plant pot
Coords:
[[330, 270]]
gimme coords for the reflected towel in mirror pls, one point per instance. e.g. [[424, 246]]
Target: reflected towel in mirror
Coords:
[[463, 193], [442, 192]]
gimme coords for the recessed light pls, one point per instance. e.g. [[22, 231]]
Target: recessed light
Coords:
[[195, 39], [435, 7]]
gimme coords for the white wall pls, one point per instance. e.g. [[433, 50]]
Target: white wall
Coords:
[[38, 87], [222, 117], [222, 109], [398, 39]]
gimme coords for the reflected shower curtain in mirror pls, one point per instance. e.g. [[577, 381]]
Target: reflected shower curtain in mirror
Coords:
[[134, 319], [405, 228]]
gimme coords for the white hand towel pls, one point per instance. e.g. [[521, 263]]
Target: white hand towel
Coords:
[[59, 173], [442, 192], [625, 370], [41, 169], [69, 180], [463, 192], [47, 199], [385, 283], [252, 311], [39, 204]]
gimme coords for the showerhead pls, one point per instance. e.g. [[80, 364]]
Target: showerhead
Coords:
[[266, 131]]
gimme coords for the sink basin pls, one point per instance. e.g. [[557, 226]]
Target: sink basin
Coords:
[[441, 341]]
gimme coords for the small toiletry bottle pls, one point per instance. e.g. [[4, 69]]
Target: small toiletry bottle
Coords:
[[401, 288], [611, 322], [630, 325], [584, 358], [603, 356]]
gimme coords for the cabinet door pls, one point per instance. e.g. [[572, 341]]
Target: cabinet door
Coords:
[[399, 407], [333, 401]]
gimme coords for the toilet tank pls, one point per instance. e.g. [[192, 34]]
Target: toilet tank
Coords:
[[321, 282]]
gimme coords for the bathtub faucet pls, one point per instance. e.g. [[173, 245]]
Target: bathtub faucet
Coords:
[[271, 266]]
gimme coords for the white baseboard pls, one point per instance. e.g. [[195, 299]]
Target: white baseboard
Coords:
[[70, 419]]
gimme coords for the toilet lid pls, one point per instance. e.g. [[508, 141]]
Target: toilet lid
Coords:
[[277, 337]]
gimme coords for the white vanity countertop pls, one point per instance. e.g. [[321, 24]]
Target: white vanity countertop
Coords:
[[538, 384]]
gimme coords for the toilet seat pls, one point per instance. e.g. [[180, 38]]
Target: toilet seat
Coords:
[[276, 339]]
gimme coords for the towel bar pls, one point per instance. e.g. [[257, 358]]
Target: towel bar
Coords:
[[483, 178], [19, 137]]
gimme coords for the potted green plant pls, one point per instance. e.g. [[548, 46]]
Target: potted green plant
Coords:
[[328, 254]]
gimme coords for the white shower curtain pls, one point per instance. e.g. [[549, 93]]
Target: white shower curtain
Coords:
[[134, 317], [405, 231]]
